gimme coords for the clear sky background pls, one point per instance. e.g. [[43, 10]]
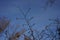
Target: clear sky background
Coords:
[[9, 8]]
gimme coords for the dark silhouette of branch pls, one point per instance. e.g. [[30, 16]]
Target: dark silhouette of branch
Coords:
[[26, 37], [28, 21], [3, 24], [16, 35]]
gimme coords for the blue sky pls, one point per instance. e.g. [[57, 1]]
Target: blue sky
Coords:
[[9, 8]]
